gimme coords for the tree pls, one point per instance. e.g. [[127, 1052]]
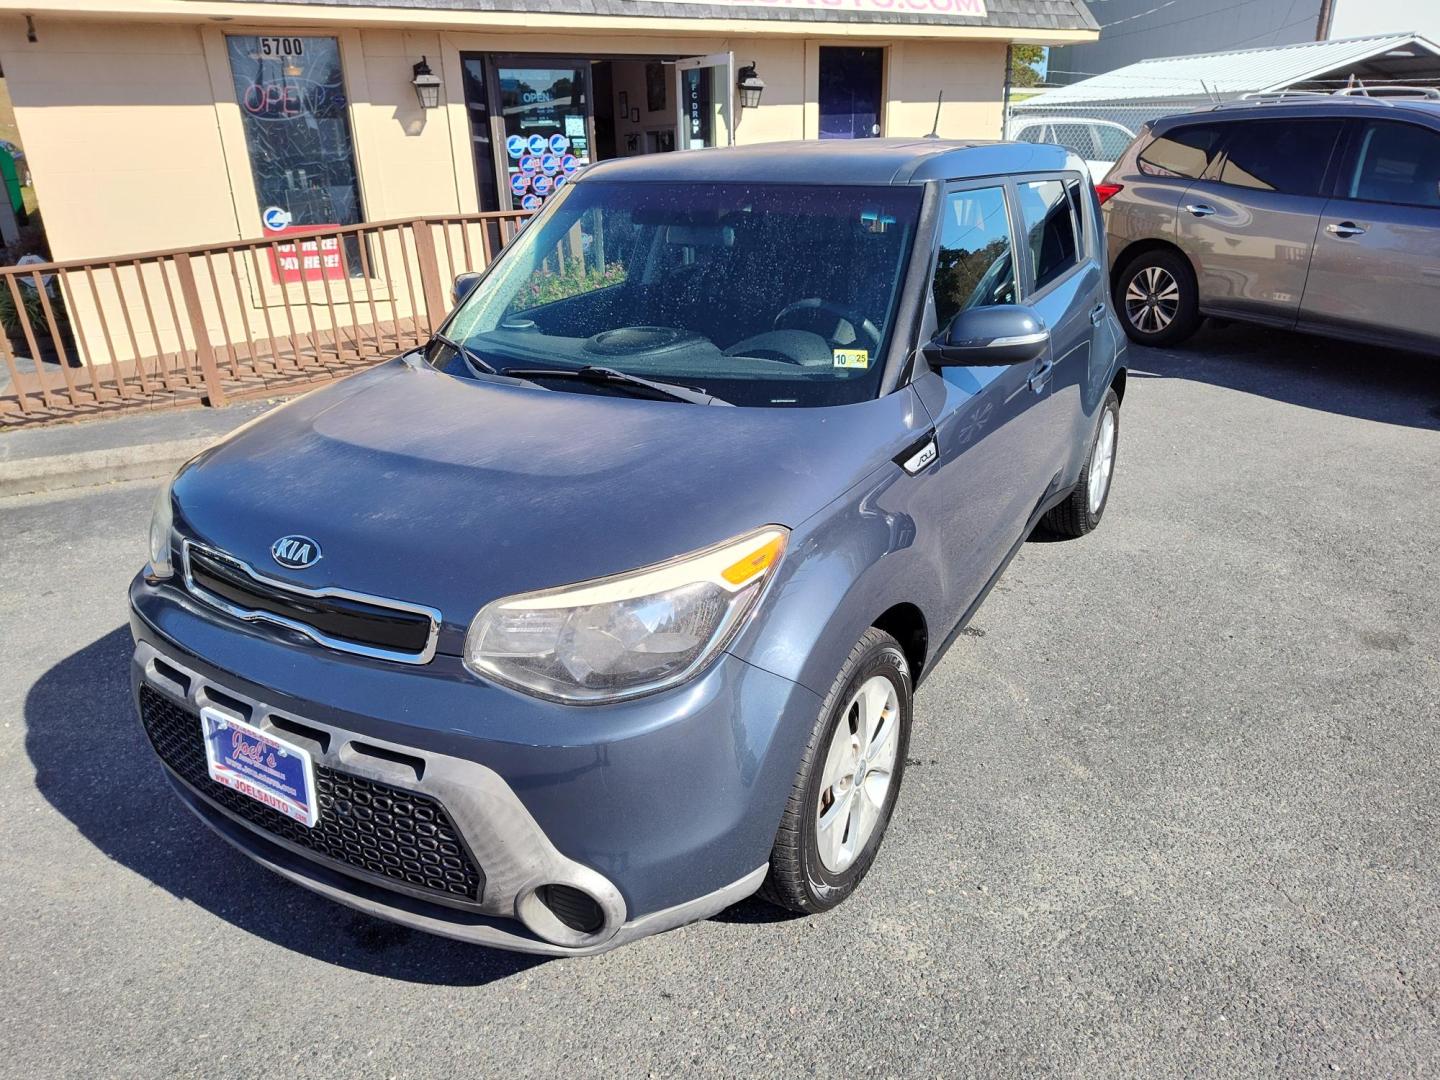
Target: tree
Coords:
[[1023, 59]]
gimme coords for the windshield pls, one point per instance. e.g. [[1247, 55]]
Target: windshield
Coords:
[[769, 295]]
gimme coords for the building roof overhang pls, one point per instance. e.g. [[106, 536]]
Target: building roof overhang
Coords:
[[1021, 21]]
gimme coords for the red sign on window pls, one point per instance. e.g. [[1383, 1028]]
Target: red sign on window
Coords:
[[305, 260]]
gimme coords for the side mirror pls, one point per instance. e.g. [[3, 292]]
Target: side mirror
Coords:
[[995, 336], [464, 286]]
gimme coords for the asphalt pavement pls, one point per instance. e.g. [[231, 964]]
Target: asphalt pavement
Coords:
[[1171, 808]]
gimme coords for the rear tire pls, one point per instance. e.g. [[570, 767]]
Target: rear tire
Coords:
[[849, 778], [1157, 298], [1080, 512]]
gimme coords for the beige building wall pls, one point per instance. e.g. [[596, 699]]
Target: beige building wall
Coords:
[[118, 122]]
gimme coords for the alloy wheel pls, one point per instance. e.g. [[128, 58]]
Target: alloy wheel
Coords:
[[1152, 299], [859, 767], [1102, 462]]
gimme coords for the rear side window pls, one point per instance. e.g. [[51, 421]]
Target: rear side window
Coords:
[[1184, 152], [1397, 163], [1077, 208], [975, 265], [1034, 133], [1286, 156], [1112, 142], [1049, 216]]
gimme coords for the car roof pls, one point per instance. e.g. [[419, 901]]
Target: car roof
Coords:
[[841, 161], [1299, 108]]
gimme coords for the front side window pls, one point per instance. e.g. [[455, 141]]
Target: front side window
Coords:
[[1397, 163], [1184, 153], [1077, 137], [760, 294], [975, 263], [1050, 229], [1286, 156]]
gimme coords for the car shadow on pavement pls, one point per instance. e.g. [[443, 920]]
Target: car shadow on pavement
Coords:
[[112, 790], [1362, 381]]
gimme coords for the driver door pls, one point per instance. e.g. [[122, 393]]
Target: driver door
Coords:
[[995, 458]]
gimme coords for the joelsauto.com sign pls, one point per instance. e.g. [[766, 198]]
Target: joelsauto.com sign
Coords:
[[967, 8]]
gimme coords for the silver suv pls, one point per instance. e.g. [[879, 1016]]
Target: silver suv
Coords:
[[1319, 213]]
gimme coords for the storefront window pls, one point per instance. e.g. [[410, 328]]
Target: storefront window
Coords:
[[851, 92], [547, 136], [297, 128]]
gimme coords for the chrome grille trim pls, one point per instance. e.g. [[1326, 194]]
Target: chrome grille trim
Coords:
[[338, 644]]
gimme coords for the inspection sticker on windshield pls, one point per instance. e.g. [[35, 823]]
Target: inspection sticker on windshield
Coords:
[[851, 358]]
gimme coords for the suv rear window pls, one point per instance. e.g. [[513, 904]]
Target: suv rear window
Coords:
[[1288, 156], [1184, 152]]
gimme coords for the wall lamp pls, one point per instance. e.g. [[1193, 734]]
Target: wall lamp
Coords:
[[427, 85], [750, 85]]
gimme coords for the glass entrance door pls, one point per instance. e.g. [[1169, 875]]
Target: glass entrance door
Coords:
[[705, 92], [542, 128]]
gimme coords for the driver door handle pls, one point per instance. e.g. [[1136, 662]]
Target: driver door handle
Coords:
[[1345, 229], [1200, 209], [1041, 376]]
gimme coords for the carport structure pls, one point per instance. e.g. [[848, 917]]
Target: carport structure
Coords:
[[1136, 93]]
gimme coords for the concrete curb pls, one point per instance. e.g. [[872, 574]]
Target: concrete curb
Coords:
[[60, 472]]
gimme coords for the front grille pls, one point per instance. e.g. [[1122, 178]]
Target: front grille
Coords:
[[387, 832], [333, 620]]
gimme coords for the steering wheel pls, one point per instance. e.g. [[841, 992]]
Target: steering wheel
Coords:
[[813, 304]]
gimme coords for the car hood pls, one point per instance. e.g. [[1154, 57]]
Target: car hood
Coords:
[[451, 492]]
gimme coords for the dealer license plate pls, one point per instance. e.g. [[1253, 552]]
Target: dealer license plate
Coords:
[[255, 763]]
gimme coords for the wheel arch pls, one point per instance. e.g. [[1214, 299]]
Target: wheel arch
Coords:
[[906, 624], [1141, 247]]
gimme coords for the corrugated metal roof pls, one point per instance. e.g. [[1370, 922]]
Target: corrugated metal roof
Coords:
[[1223, 74]]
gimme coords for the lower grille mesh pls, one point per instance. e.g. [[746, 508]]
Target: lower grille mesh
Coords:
[[384, 831]]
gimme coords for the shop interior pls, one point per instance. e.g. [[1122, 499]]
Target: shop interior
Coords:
[[535, 120]]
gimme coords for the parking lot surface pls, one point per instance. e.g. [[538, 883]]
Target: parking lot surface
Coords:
[[1171, 808]]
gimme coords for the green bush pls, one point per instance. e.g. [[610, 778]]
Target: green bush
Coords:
[[34, 310], [547, 286]]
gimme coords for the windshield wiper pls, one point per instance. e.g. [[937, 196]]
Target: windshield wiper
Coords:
[[470, 356], [610, 377]]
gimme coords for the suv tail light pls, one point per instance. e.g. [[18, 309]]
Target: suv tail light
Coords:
[[1106, 192]]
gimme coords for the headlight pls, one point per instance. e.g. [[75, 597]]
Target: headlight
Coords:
[[631, 634], [162, 523]]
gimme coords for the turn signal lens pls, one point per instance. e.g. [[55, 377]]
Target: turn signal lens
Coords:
[[757, 562], [631, 634], [1106, 192]]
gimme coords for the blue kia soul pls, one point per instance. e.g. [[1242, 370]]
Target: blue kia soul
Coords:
[[605, 609]]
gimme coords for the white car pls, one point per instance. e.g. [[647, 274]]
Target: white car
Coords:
[[1099, 142]]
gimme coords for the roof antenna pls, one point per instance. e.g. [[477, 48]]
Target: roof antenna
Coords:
[[935, 127]]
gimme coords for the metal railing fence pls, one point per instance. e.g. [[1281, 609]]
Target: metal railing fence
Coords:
[[227, 321]]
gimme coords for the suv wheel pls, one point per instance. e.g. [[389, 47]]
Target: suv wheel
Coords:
[[1157, 298], [849, 778]]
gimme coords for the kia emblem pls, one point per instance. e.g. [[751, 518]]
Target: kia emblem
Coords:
[[295, 552]]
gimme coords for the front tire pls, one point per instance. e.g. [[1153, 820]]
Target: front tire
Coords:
[[1157, 298], [849, 778]]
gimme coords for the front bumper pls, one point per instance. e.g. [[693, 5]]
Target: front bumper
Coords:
[[662, 811]]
